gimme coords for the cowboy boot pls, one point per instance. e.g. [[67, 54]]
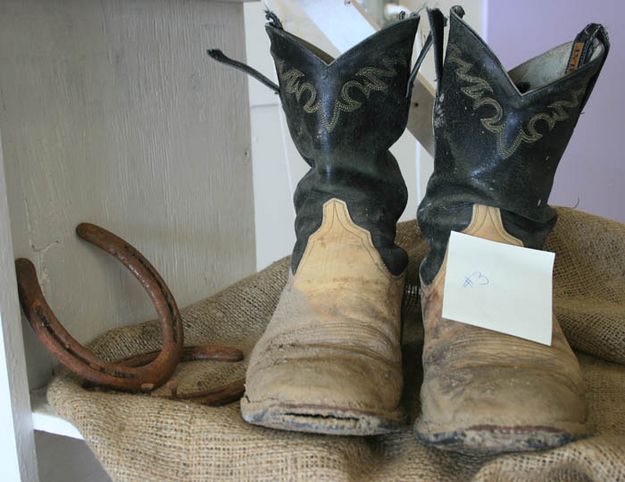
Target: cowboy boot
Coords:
[[330, 359], [499, 138]]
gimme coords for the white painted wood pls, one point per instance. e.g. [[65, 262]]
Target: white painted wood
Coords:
[[256, 52], [113, 113], [333, 18], [274, 213], [64, 459], [405, 151], [17, 445], [45, 418], [274, 210]]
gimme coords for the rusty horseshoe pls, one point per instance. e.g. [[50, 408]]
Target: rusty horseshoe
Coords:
[[143, 372]]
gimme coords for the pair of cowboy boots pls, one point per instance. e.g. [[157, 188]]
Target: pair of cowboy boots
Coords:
[[330, 359]]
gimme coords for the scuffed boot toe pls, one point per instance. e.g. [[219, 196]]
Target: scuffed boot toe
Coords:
[[324, 389]]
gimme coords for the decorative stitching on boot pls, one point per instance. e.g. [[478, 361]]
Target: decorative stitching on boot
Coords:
[[478, 87], [366, 80]]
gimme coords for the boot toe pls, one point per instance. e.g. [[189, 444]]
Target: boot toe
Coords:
[[323, 389], [503, 394], [501, 409]]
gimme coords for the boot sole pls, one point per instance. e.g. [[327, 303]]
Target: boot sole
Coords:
[[320, 418], [492, 439]]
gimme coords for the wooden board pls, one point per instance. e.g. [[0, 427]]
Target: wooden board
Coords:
[[113, 113]]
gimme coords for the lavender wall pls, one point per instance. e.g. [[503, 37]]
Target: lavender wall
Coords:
[[592, 171]]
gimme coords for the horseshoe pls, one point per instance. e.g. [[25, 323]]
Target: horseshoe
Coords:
[[189, 353], [214, 397], [143, 372]]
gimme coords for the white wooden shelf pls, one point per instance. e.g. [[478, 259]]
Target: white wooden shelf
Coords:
[[45, 419], [119, 119]]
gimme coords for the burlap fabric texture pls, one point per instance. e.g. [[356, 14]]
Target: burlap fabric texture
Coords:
[[139, 437]]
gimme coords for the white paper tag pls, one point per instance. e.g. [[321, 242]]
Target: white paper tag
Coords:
[[500, 287]]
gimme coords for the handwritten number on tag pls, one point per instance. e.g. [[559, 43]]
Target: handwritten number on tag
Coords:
[[475, 279]]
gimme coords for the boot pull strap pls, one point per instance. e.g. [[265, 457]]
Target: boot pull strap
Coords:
[[437, 30], [417, 65], [219, 56], [272, 19], [583, 47], [582, 51]]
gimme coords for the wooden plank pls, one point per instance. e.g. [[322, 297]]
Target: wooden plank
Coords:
[[67, 459], [17, 444], [45, 418], [113, 113], [420, 115], [331, 17]]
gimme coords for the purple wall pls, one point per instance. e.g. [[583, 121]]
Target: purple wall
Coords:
[[592, 171]]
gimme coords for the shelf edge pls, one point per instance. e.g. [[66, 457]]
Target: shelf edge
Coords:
[[45, 419]]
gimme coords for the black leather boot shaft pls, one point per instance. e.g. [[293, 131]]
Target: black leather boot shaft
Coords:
[[343, 115], [500, 135]]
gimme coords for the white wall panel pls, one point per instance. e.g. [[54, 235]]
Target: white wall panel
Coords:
[[17, 443], [113, 113], [274, 210]]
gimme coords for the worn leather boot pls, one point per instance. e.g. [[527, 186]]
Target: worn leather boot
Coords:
[[499, 138], [330, 359]]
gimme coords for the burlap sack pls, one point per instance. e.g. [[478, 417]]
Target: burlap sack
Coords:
[[139, 437]]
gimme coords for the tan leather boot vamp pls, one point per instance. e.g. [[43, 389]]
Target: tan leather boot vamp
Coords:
[[485, 391], [330, 359]]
